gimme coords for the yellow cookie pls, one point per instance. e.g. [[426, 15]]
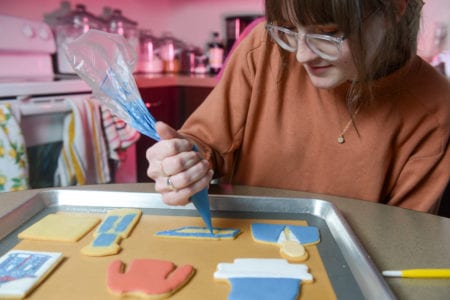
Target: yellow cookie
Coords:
[[292, 250], [60, 227]]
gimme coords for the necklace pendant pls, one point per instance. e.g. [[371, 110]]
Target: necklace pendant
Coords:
[[341, 139]]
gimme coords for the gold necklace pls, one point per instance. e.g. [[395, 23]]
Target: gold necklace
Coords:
[[341, 138]]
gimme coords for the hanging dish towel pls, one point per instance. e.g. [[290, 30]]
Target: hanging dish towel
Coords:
[[84, 157], [119, 135], [13, 158]]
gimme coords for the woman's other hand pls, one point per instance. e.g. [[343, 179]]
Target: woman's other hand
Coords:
[[178, 171]]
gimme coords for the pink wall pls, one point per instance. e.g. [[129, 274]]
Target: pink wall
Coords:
[[194, 20], [191, 20]]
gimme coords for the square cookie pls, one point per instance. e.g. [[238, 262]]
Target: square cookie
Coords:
[[60, 227]]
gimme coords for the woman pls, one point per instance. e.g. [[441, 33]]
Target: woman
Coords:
[[328, 97]]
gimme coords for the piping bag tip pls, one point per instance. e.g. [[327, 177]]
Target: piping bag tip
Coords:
[[201, 203]]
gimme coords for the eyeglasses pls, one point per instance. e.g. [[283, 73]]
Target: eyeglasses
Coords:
[[326, 46]]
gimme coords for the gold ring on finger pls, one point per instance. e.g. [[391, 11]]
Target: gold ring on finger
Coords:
[[170, 184]]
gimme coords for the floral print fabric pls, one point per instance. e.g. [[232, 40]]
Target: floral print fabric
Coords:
[[13, 158]]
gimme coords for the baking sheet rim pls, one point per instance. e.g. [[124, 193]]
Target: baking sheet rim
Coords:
[[366, 274]]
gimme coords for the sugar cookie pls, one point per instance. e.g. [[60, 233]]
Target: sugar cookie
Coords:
[[259, 278], [293, 250], [117, 225], [154, 279], [194, 232], [21, 271], [270, 233], [290, 238], [60, 227]]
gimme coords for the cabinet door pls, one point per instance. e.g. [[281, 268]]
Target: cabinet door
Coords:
[[162, 104], [190, 99], [172, 105]]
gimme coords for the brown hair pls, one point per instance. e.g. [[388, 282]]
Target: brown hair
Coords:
[[398, 46]]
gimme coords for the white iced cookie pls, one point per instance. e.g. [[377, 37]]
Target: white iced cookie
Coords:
[[21, 271], [263, 278]]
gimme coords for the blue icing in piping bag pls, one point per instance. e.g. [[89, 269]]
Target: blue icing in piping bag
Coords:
[[105, 62], [201, 203]]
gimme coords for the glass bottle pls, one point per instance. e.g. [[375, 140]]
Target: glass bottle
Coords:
[[215, 54]]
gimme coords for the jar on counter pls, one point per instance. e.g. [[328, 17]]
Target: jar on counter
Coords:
[[70, 27], [117, 23], [148, 59], [170, 51], [193, 61]]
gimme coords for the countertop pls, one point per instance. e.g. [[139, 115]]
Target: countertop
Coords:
[[181, 80], [65, 84], [394, 238]]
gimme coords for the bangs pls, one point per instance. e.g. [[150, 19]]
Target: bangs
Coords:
[[304, 13], [347, 15]]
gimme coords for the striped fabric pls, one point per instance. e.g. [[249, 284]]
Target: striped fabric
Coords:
[[119, 135], [84, 156]]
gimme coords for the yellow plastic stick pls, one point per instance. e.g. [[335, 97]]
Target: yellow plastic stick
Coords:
[[419, 273]]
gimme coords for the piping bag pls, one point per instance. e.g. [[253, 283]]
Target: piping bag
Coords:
[[105, 62]]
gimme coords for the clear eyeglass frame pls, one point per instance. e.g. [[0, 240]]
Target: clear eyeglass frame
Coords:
[[326, 46]]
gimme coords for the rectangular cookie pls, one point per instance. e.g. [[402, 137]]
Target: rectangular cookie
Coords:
[[60, 227], [21, 271]]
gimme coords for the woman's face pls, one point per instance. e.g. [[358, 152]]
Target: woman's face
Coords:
[[328, 74], [324, 73]]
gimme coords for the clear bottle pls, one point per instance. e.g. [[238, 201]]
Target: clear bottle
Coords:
[[215, 54]]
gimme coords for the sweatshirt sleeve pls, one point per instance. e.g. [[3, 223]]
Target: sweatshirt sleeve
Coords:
[[423, 164], [422, 182], [218, 124]]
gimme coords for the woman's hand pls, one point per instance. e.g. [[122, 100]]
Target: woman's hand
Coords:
[[178, 171]]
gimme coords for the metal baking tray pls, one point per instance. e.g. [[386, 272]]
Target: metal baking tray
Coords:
[[350, 269]]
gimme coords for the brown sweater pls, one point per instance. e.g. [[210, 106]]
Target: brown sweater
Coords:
[[259, 131]]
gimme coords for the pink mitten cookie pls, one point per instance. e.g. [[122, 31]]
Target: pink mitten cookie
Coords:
[[147, 277]]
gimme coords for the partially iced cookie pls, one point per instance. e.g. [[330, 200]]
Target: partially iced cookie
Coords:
[[290, 238], [194, 232], [117, 225]]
